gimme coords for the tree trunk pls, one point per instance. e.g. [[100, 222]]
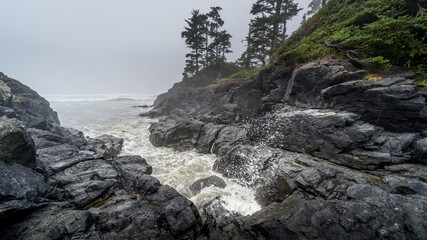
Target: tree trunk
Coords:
[[207, 51], [276, 23], [323, 2]]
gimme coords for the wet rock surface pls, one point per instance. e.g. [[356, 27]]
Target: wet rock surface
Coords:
[[198, 185], [16, 145], [56, 184], [329, 155]]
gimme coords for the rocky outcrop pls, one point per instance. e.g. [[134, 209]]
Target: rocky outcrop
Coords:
[[19, 100], [328, 153], [187, 133], [57, 184], [340, 137]]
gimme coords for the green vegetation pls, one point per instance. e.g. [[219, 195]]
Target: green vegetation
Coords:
[[373, 33], [211, 74], [245, 73]]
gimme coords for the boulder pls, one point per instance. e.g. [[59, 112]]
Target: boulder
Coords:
[[198, 185], [29, 107], [107, 146], [16, 145], [181, 135]]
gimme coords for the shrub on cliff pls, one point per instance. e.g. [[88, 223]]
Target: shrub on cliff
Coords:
[[373, 33], [211, 74]]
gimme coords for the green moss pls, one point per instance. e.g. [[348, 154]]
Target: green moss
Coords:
[[378, 33], [99, 202], [245, 73]]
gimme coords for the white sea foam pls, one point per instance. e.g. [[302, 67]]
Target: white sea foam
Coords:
[[177, 169]]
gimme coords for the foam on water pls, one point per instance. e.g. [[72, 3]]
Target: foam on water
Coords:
[[177, 169]]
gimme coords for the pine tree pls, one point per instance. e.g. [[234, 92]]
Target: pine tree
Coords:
[[195, 39], [268, 29], [314, 7], [208, 42], [221, 43]]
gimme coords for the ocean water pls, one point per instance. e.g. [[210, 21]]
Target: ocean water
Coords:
[[115, 114]]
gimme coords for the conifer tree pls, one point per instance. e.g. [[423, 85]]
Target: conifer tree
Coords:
[[208, 42], [221, 43], [268, 29], [195, 39], [314, 6]]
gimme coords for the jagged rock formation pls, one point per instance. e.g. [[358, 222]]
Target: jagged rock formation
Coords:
[[329, 154], [56, 184]]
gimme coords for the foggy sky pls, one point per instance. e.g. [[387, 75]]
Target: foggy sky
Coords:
[[106, 46]]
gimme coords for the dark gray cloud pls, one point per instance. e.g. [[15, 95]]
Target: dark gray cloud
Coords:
[[105, 46]]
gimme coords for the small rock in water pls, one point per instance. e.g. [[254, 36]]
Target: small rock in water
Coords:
[[198, 185]]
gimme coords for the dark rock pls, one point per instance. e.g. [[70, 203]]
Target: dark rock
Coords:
[[16, 145], [126, 218], [228, 137], [27, 104], [207, 137], [86, 181], [19, 182], [54, 223], [135, 172], [336, 136], [107, 146], [198, 185], [142, 106], [7, 112], [392, 103], [214, 213], [181, 135], [420, 151], [60, 157], [180, 214], [310, 79], [21, 190]]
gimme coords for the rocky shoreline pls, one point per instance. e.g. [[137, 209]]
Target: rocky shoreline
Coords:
[[330, 153], [57, 184]]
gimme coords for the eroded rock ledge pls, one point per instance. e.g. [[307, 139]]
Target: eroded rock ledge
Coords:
[[329, 154], [57, 184]]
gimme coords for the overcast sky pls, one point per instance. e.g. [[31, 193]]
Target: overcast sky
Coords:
[[106, 46]]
